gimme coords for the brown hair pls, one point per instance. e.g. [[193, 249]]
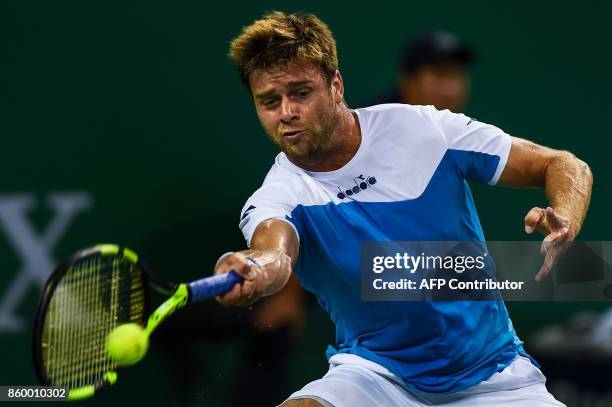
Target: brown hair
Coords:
[[278, 38]]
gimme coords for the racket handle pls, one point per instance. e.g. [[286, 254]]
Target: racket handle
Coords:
[[213, 286]]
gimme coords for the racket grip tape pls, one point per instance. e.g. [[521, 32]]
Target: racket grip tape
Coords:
[[213, 286]]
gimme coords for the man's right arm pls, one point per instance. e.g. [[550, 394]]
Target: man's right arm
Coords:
[[274, 251]]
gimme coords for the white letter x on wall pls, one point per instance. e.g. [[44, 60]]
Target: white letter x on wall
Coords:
[[33, 249]]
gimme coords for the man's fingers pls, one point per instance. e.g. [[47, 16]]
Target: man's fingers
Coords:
[[241, 294], [222, 259], [231, 297], [549, 261], [554, 221], [553, 248], [547, 243], [250, 271], [533, 218], [238, 263], [544, 271], [558, 237], [247, 292]]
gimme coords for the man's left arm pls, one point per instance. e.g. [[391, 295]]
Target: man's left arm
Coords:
[[567, 182]]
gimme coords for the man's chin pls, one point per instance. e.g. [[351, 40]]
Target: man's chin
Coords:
[[296, 155], [297, 150]]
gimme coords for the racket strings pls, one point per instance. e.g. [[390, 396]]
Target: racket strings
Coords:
[[76, 302], [74, 310], [96, 294], [105, 322]]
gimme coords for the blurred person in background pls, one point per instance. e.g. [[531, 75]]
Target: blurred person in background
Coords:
[[434, 70]]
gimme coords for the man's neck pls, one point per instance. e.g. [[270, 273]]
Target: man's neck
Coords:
[[344, 143]]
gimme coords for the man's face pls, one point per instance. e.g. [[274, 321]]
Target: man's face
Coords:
[[297, 107], [445, 86]]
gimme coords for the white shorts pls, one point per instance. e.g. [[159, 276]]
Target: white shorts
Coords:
[[353, 381]]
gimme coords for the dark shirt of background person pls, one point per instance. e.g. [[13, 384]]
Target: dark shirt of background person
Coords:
[[434, 70]]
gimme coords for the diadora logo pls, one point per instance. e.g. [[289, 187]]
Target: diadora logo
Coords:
[[361, 184]]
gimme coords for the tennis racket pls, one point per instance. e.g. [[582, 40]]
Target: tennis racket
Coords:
[[90, 294]]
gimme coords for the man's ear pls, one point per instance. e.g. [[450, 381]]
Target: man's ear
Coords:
[[337, 87]]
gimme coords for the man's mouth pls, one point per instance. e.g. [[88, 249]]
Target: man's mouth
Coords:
[[293, 135]]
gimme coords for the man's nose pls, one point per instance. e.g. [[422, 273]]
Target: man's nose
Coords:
[[289, 111]]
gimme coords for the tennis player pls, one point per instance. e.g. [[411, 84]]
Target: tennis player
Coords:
[[388, 172]]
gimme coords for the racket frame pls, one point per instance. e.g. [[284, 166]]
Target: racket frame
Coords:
[[180, 295], [51, 285]]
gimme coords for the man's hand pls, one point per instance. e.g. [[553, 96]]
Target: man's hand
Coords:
[[567, 183], [265, 272], [254, 279], [266, 267], [559, 234]]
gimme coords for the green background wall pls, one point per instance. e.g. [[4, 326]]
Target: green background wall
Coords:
[[135, 106]]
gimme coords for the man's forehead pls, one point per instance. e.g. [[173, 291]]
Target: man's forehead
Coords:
[[294, 73]]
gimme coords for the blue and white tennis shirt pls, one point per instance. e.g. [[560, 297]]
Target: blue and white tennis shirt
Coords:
[[407, 182]]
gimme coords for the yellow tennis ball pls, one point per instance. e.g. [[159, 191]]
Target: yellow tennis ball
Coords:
[[127, 344]]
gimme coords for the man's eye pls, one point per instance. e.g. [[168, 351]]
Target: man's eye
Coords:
[[269, 102], [303, 93]]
